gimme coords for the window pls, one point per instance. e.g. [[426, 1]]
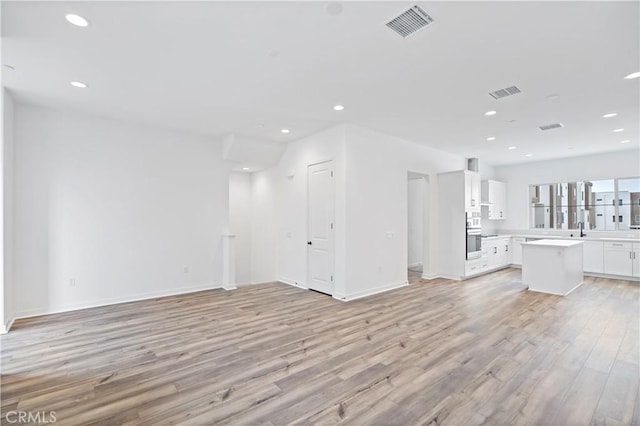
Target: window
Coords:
[[603, 205]]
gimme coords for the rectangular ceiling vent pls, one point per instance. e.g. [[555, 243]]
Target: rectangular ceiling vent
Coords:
[[551, 126], [503, 93], [410, 21]]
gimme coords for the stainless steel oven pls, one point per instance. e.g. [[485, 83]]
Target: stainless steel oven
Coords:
[[474, 243]]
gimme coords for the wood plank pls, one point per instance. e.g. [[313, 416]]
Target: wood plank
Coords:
[[482, 351], [619, 396]]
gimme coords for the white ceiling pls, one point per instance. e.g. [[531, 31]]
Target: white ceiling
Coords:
[[252, 68]]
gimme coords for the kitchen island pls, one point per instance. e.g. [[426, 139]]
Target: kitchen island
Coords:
[[552, 266]]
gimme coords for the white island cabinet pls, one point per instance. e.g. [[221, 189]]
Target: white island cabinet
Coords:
[[552, 266]]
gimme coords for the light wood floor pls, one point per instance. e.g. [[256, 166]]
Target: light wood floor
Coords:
[[483, 351]]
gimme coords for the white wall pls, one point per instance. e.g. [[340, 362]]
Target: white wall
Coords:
[[6, 292], [264, 246], [377, 166], [240, 213], [371, 205], [280, 197], [414, 220], [591, 167], [122, 209]]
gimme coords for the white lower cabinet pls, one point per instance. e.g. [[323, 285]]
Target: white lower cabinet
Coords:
[[599, 257], [516, 250], [496, 253], [472, 267], [593, 256], [504, 252], [493, 254], [619, 258]]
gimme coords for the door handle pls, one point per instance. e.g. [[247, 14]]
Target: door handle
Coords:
[[309, 243]]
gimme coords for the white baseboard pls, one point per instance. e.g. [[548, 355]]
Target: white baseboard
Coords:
[[340, 296], [613, 277], [430, 276], [450, 277], [229, 287], [242, 285], [6, 327], [292, 283], [114, 301], [370, 292], [555, 294], [567, 293]]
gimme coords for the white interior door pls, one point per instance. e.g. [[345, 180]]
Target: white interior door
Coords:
[[320, 221]]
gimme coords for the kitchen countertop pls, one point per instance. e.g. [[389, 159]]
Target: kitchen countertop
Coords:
[[559, 237], [495, 237], [554, 243]]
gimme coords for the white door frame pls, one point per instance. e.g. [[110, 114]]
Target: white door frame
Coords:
[[429, 225]]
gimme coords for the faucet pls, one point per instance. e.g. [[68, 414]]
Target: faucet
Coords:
[[582, 234]]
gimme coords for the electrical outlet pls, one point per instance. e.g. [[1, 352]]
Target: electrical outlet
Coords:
[[72, 282], [185, 269]]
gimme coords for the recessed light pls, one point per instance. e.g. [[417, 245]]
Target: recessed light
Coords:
[[285, 130], [528, 155], [633, 75], [618, 130], [246, 168], [79, 84], [625, 141], [490, 113], [609, 115], [338, 107], [77, 20], [512, 147], [492, 138]]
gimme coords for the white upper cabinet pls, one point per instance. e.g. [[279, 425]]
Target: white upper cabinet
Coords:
[[494, 195], [472, 183]]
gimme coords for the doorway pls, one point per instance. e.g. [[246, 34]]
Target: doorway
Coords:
[[418, 253], [320, 214]]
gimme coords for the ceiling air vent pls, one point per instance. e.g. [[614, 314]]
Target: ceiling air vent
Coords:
[[503, 93], [410, 21], [551, 126]]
